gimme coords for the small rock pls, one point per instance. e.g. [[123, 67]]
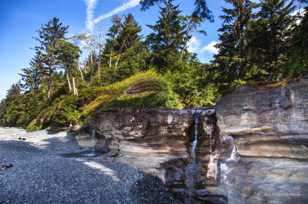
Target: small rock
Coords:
[[5, 166]]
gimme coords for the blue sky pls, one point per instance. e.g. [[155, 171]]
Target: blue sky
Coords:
[[20, 19]]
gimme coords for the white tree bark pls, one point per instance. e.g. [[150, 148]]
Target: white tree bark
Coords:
[[74, 87], [69, 83]]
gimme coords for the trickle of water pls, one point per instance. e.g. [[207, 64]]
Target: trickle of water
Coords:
[[234, 155], [93, 138], [195, 141], [229, 164], [192, 169], [93, 134]]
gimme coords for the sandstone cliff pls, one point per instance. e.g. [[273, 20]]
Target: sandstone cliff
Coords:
[[179, 146], [253, 149], [269, 125]]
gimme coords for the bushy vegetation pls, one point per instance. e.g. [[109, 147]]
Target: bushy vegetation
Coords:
[[258, 42], [144, 89]]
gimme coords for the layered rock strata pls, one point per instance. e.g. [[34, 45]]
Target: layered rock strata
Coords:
[[253, 149], [269, 125], [179, 146]]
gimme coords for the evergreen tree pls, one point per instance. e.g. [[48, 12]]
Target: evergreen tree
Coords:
[[232, 59], [128, 37], [13, 92], [32, 76], [125, 53], [298, 54], [169, 37], [111, 42], [169, 55], [67, 55], [200, 13], [270, 38], [49, 34]]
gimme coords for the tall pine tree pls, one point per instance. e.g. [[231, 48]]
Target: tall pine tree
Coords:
[[169, 37], [298, 54], [200, 13], [232, 59], [270, 38], [125, 53], [32, 76], [67, 56], [49, 34]]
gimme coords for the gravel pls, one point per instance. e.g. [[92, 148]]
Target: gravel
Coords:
[[41, 174]]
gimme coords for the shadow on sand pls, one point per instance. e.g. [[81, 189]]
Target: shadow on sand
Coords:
[[45, 175]]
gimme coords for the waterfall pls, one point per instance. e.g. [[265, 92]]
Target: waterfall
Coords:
[[192, 170], [93, 138], [91, 152], [194, 144]]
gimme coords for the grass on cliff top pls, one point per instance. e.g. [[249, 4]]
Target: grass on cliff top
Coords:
[[144, 89]]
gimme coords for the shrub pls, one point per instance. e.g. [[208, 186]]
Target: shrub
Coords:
[[144, 89]]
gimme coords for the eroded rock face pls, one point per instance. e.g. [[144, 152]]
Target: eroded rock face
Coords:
[[267, 122], [144, 131], [253, 150], [270, 129], [160, 142]]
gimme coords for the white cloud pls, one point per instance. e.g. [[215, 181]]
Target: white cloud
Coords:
[[211, 48], [91, 4], [194, 44], [128, 5]]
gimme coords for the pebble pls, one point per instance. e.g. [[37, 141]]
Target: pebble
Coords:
[[39, 173]]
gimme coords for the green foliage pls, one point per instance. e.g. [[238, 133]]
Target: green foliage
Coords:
[[49, 35], [124, 53], [270, 38], [200, 13], [255, 43], [298, 54], [67, 56], [258, 42], [169, 37], [19, 109], [190, 80], [232, 62], [143, 89]]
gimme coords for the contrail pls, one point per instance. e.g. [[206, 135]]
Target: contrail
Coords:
[[90, 14], [128, 5]]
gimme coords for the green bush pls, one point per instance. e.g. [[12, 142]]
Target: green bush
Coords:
[[144, 89]]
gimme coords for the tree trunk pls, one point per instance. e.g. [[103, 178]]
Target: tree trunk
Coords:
[[110, 60], [117, 62], [49, 87], [49, 83], [81, 74], [99, 69], [69, 83], [74, 87]]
